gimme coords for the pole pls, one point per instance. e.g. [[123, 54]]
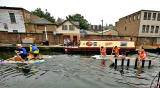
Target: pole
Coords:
[[46, 33], [102, 28]]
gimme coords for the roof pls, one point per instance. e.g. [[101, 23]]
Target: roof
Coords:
[[76, 23], [14, 8], [42, 21], [70, 22], [105, 32], [108, 30]]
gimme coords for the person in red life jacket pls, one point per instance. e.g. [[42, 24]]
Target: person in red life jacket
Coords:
[[116, 51], [142, 54], [103, 51]]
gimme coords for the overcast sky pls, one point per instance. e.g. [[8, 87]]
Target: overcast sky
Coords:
[[93, 10]]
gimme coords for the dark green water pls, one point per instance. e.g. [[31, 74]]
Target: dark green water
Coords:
[[76, 71]]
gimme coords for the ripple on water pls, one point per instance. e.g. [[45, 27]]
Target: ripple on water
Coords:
[[75, 71]]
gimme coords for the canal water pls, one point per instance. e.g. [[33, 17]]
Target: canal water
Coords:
[[76, 71]]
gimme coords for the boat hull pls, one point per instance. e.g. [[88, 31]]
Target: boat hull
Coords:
[[22, 62]]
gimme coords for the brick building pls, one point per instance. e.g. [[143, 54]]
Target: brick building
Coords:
[[17, 23], [143, 24], [38, 26], [70, 30]]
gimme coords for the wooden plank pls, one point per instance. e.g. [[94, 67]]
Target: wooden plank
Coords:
[[120, 57]]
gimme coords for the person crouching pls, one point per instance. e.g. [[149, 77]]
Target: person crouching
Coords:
[[22, 52], [34, 51]]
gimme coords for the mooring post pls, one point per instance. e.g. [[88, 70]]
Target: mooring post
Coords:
[[135, 66], [158, 80], [122, 63], [103, 62], [149, 64], [143, 62], [115, 65], [66, 50], [128, 62]]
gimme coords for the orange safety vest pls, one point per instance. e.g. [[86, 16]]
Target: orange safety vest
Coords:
[[142, 55], [103, 51], [116, 50]]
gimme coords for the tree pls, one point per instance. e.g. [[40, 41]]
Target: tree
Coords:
[[43, 14], [83, 23]]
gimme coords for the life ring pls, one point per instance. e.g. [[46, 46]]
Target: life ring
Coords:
[[89, 43]]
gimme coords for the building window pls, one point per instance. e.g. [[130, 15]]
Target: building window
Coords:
[[100, 28], [64, 27], [149, 16], [125, 28], [152, 29], [15, 31], [158, 18], [147, 29], [158, 40], [91, 26], [157, 29], [71, 27], [143, 28], [12, 17], [129, 19], [133, 18], [154, 16], [95, 27], [126, 19], [145, 16]]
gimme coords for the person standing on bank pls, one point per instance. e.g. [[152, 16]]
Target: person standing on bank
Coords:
[[35, 51], [22, 52]]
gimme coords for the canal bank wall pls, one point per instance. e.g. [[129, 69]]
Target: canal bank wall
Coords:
[[61, 49], [41, 48]]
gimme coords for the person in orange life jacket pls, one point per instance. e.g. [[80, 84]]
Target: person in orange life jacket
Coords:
[[22, 52], [116, 51], [142, 54], [103, 50]]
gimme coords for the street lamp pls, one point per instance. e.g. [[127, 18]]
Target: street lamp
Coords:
[[102, 27]]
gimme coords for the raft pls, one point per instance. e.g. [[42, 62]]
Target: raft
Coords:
[[22, 62], [127, 61]]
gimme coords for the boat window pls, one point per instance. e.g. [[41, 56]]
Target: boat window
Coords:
[[95, 43], [158, 40], [123, 44]]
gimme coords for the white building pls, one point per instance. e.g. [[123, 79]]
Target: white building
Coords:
[[11, 19]]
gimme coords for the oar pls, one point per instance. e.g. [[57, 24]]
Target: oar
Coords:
[[111, 53], [19, 55], [100, 51]]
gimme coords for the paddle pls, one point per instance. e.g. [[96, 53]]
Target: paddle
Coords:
[[112, 53], [20, 58], [100, 50]]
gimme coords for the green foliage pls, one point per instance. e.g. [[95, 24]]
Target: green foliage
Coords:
[[43, 14], [83, 23]]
